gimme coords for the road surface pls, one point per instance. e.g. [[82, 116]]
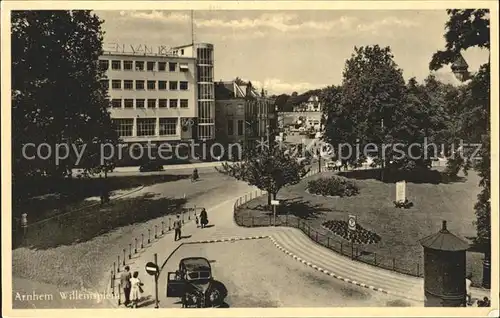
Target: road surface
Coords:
[[256, 274]]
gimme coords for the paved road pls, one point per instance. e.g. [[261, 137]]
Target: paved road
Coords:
[[257, 275]]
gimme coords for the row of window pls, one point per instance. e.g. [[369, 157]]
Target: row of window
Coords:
[[149, 103], [149, 85], [146, 127], [230, 127], [118, 65]]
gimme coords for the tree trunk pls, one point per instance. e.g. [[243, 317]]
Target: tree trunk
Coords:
[[269, 199]]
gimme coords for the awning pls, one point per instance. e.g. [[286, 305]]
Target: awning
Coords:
[[183, 66]]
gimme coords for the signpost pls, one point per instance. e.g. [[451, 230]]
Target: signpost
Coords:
[[401, 191], [275, 203], [351, 222], [153, 270]]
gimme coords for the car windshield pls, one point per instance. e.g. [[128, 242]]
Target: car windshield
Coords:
[[198, 275]]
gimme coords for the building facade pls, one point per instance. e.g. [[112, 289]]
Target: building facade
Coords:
[[242, 115], [167, 97]]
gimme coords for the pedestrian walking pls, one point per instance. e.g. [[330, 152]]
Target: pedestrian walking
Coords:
[[177, 228], [136, 289], [203, 218], [125, 283], [468, 283]]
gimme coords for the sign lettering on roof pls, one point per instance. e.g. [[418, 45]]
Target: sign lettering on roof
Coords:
[[137, 49]]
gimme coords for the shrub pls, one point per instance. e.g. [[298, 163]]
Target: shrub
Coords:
[[334, 186], [358, 236], [403, 204]]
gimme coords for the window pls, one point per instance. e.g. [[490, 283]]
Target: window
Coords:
[[116, 84], [139, 84], [128, 84], [205, 74], [146, 126], [162, 85], [183, 86], [173, 103], [184, 103], [139, 103], [124, 127], [168, 126], [151, 66], [172, 86], [205, 91], [128, 65], [116, 65], [240, 127], [104, 65], [172, 66], [116, 103], [162, 103], [105, 84], [151, 103], [129, 103], [182, 51], [230, 127], [151, 85], [139, 65], [162, 66], [183, 67]]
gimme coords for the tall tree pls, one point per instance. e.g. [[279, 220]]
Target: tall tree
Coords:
[[463, 30], [268, 168], [373, 90], [56, 89]]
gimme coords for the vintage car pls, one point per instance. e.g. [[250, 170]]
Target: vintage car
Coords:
[[194, 284]]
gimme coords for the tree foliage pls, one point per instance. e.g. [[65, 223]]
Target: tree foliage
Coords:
[[466, 29], [268, 168], [57, 97]]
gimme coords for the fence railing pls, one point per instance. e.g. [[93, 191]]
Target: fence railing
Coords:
[[138, 244], [322, 237]]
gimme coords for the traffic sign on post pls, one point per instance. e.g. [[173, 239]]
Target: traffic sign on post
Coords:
[[152, 269], [275, 202], [352, 222]]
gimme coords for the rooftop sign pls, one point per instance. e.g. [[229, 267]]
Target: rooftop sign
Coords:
[[137, 49]]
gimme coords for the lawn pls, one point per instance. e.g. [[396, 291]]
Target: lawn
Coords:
[[400, 229], [76, 250]]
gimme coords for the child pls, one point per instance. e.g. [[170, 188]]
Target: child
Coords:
[[136, 290], [197, 221]]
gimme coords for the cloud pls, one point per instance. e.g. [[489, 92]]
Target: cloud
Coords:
[[386, 24], [276, 86]]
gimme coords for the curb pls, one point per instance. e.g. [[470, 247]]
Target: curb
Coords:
[[232, 239], [324, 271]]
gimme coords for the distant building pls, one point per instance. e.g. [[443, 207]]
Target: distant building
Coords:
[[311, 105], [242, 114]]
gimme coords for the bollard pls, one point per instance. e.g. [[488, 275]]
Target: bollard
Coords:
[[123, 257], [142, 240], [119, 294], [375, 258], [149, 236], [112, 284], [114, 268], [130, 251], [298, 223], [169, 223], [418, 270], [328, 242], [308, 230], [341, 248], [135, 251], [316, 236], [156, 235], [118, 265], [162, 227], [393, 264]]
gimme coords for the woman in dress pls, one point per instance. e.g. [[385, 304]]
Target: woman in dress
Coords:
[[203, 218], [136, 290]]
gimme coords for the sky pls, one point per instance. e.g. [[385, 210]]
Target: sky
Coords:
[[287, 51]]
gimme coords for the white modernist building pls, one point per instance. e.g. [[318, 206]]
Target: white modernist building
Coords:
[[162, 96]]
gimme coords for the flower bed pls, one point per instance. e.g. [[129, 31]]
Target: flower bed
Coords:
[[333, 186], [359, 236]]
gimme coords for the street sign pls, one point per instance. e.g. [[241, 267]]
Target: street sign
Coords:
[[152, 269], [352, 222], [401, 191], [275, 202]]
